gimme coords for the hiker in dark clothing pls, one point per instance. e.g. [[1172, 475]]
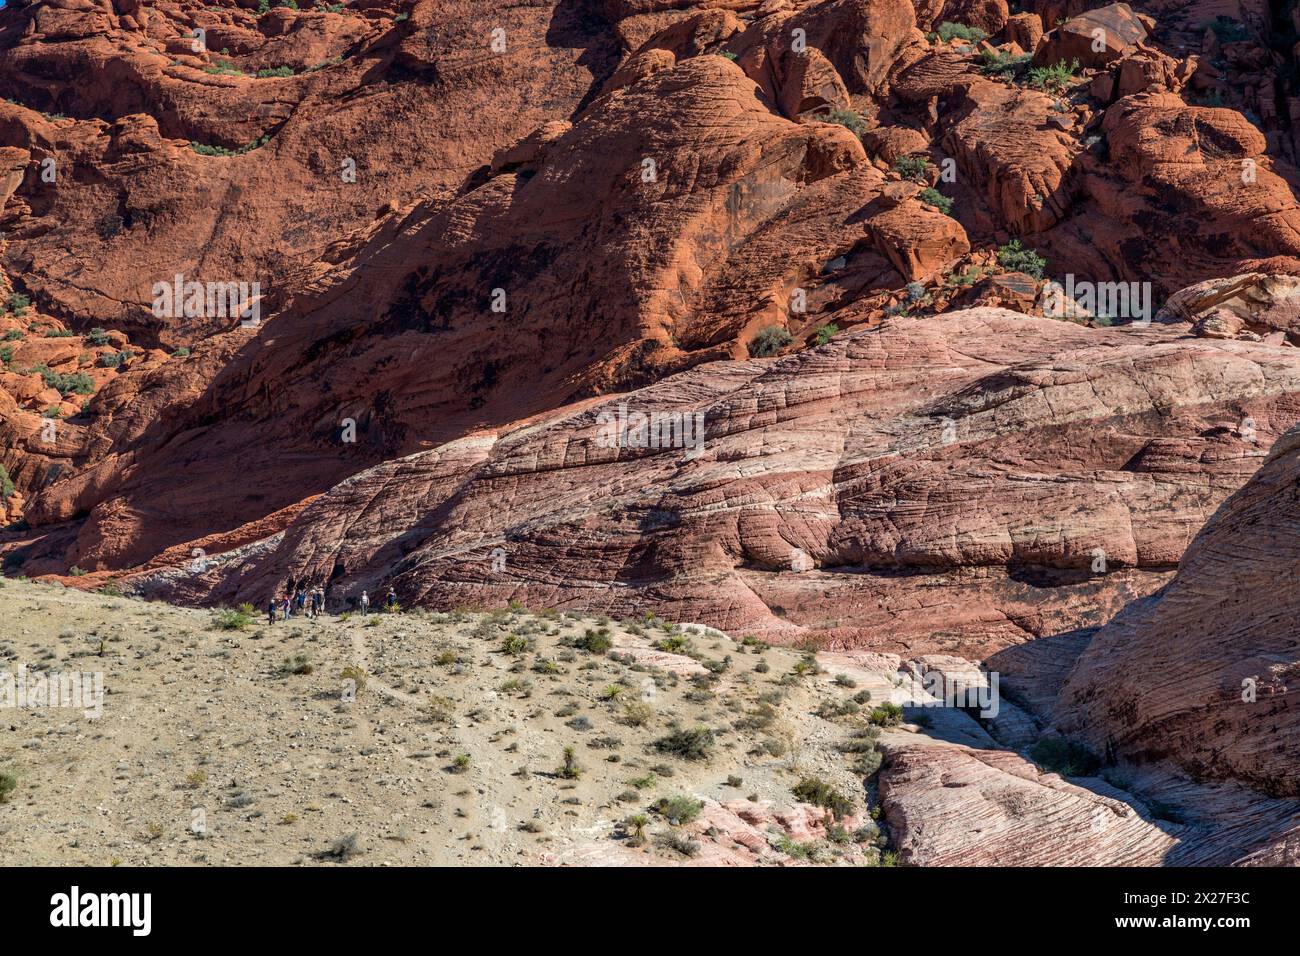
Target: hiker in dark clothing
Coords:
[[270, 611], [391, 600], [300, 599]]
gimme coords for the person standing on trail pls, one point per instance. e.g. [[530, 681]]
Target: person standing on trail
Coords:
[[286, 606], [365, 603], [300, 601], [270, 610], [317, 601], [391, 600]]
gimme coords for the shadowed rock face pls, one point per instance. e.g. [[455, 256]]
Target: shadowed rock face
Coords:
[[116, 93], [1203, 672], [959, 483]]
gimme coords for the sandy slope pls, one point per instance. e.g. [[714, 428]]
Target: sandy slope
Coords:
[[200, 724]]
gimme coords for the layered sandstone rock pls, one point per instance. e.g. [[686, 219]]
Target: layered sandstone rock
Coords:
[[1203, 673], [958, 806], [904, 488]]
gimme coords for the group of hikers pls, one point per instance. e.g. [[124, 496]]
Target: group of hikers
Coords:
[[310, 603]]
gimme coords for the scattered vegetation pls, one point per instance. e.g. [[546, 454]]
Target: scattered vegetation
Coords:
[[8, 784], [570, 769], [296, 664], [959, 31], [205, 150], [595, 641], [1015, 257], [1054, 78], [819, 793], [851, 119], [932, 197], [6, 484], [1005, 66], [887, 715], [18, 304], [770, 341], [67, 383], [911, 167], [678, 810], [696, 744], [233, 619], [826, 333]]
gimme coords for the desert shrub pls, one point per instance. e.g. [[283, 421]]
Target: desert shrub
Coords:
[[637, 714], [834, 709], [75, 383], [231, 619], [569, 770], [19, 303], [8, 784], [770, 341], [595, 642], [826, 333], [819, 793], [1065, 757], [844, 680], [868, 763], [205, 150], [960, 31], [678, 842], [440, 710], [1015, 257], [887, 715], [516, 645], [6, 484], [1052, 78], [296, 664], [275, 71], [911, 167], [694, 744], [97, 336], [182, 352], [460, 763], [634, 827], [342, 849], [1003, 65], [678, 810], [851, 119], [674, 644], [932, 197]]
